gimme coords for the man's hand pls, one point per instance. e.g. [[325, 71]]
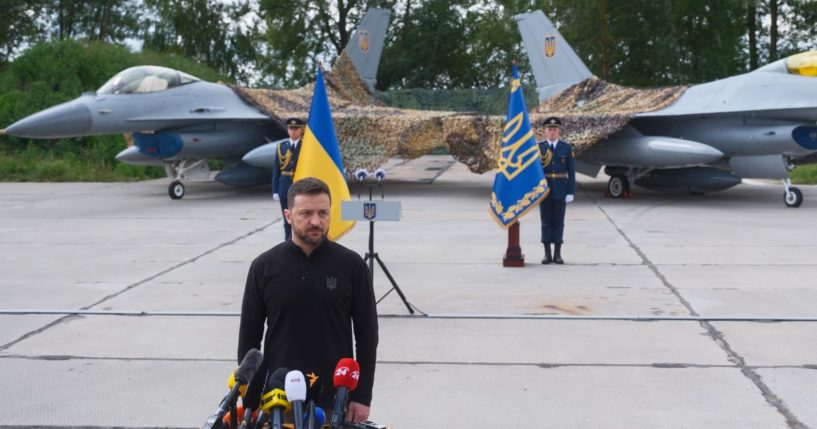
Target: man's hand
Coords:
[[276, 197], [569, 198], [357, 412]]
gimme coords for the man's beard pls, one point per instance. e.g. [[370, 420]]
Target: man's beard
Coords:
[[303, 235]]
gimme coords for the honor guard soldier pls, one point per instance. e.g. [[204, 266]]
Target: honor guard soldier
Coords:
[[286, 159], [557, 163]]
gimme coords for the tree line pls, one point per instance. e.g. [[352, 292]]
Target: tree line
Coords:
[[432, 44]]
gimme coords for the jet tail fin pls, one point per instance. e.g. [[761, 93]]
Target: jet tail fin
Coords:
[[366, 44], [555, 65]]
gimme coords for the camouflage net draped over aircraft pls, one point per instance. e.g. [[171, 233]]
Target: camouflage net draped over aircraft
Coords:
[[369, 133], [593, 109]]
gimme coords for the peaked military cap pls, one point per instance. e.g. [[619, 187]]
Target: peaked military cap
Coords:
[[295, 122], [552, 122]]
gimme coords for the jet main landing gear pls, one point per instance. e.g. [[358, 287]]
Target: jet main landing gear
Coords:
[[618, 186]]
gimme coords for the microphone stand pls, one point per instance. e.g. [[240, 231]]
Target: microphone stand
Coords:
[[371, 256]]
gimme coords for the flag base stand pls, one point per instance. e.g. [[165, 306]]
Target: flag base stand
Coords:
[[513, 254]]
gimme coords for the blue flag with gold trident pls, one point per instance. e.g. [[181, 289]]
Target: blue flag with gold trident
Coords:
[[519, 184]]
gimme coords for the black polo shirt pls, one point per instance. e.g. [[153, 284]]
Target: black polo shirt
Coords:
[[312, 305]]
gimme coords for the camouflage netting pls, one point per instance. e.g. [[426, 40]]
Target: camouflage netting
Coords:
[[369, 133], [593, 109]]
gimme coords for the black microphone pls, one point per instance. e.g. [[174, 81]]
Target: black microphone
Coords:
[[275, 401], [252, 360], [252, 398], [347, 374], [314, 390]]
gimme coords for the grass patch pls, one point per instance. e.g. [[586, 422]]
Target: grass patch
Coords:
[[27, 167], [804, 175]]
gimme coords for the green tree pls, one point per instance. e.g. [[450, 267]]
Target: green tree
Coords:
[[105, 20], [300, 34], [18, 25], [651, 43], [221, 35]]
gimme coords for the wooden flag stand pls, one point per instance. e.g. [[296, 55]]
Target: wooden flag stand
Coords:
[[513, 255]]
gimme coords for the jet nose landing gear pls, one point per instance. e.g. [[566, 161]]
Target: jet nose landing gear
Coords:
[[195, 169], [792, 196], [176, 190]]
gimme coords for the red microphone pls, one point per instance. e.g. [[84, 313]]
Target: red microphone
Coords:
[[347, 374]]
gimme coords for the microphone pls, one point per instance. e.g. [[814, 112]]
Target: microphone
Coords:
[[295, 387], [313, 396], [252, 398], [347, 373], [361, 174], [252, 360], [275, 401], [315, 416], [380, 174]]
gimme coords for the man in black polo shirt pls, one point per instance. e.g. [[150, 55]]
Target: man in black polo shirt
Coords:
[[313, 295]]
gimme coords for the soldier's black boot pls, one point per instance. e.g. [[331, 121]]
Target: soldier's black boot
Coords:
[[557, 254], [548, 257]]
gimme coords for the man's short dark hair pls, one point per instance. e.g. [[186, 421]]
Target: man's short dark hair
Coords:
[[307, 186]]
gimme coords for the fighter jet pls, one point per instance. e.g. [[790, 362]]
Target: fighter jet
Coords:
[[759, 124], [180, 121]]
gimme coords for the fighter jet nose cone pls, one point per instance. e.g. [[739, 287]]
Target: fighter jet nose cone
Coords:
[[71, 119]]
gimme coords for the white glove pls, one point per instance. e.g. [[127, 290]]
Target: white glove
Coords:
[[569, 198], [276, 197]]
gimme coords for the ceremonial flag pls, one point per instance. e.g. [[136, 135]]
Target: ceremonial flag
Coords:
[[320, 157], [519, 184]]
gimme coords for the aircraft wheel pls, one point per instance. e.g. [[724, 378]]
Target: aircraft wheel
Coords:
[[176, 190], [793, 198], [618, 186]]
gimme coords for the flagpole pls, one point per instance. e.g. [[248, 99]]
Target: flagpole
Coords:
[[513, 254]]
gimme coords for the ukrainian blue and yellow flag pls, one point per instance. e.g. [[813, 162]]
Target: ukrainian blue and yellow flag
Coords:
[[519, 184], [320, 157]]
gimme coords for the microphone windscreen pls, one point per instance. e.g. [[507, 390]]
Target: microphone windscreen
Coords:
[[295, 386], [361, 174], [252, 398], [276, 380], [347, 373], [252, 360]]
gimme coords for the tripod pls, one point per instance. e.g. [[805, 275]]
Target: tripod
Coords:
[[371, 256]]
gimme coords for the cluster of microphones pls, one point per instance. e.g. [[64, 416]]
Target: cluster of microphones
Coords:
[[362, 174], [283, 391]]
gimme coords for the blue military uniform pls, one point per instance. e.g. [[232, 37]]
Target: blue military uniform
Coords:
[[286, 159], [558, 166]]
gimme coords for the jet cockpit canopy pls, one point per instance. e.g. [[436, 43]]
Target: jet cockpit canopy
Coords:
[[143, 79]]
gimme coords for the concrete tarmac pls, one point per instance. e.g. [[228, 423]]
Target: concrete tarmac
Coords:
[[672, 311]]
